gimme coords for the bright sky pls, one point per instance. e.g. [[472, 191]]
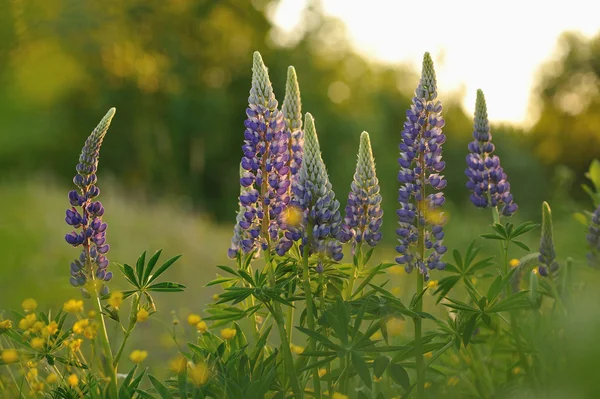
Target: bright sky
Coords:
[[497, 46]]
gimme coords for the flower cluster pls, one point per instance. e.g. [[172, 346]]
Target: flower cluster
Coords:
[[420, 231], [364, 215], [487, 179], [292, 115], [266, 166], [313, 194], [547, 255], [593, 238], [92, 262]]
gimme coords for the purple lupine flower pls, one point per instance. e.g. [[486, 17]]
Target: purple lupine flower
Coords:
[[364, 215], [313, 195], [547, 256], [86, 214], [266, 165], [420, 231], [593, 238], [242, 240], [487, 180]]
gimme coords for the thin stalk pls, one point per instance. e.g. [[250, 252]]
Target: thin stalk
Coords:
[[285, 344], [132, 322], [356, 267], [419, 305], [290, 315], [310, 318], [322, 305], [111, 371]]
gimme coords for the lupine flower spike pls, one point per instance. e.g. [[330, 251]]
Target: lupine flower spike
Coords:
[[593, 239], [487, 180], [420, 223], [86, 214], [547, 256], [265, 163], [239, 234], [312, 193], [363, 211]]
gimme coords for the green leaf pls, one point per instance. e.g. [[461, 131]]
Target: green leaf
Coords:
[[322, 339], [458, 259], [521, 245], [492, 236], [139, 266], [518, 300], [129, 274], [160, 388], [182, 382], [469, 328], [380, 364], [150, 266], [361, 369], [495, 288], [167, 286], [399, 375], [163, 268]]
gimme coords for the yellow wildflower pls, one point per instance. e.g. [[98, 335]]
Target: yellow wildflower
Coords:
[[75, 344], [228, 333], [535, 271], [377, 336], [37, 386], [10, 356], [80, 325], [337, 395], [29, 305], [142, 315], [37, 343], [32, 374], [215, 297], [292, 216], [178, 364], [90, 331], [116, 299], [5, 324], [27, 322], [427, 384], [91, 314], [138, 356], [395, 327], [296, 349], [73, 306], [193, 319], [377, 379], [199, 374], [516, 370], [202, 327], [322, 372], [52, 379], [72, 380], [431, 284], [50, 329], [38, 326], [453, 381], [428, 355], [514, 262]]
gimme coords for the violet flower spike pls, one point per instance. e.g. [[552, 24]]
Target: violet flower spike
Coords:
[[420, 231], [85, 214], [314, 197], [265, 163], [487, 180], [364, 215]]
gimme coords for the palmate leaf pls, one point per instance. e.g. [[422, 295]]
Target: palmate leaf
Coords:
[[162, 390], [361, 368], [518, 300]]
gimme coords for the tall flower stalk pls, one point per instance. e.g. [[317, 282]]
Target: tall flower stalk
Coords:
[[265, 190], [420, 221], [313, 194], [364, 216], [89, 271]]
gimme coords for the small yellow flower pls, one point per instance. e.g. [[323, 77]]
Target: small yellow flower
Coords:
[[52, 379], [428, 355], [28, 321], [5, 325], [535, 271], [228, 333], [80, 325], [202, 327], [73, 306], [37, 386], [75, 344], [377, 379], [514, 262], [37, 327], [199, 374], [322, 372], [215, 297], [37, 343], [32, 374], [50, 329], [293, 216], [29, 305], [142, 315], [90, 331], [138, 356], [517, 370], [193, 319], [10, 356], [377, 336], [427, 384], [178, 364], [431, 284], [116, 299], [474, 280], [91, 314], [453, 381], [72, 380], [395, 327], [337, 395], [296, 349]]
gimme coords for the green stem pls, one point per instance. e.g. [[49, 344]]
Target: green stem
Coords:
[[310, 318], [111, 371], [322, 305], [290, 315], [132, 323], [356, 267], [418, 348], [285, 344]]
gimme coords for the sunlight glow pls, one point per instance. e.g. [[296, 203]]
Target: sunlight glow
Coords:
[[496, 46]]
